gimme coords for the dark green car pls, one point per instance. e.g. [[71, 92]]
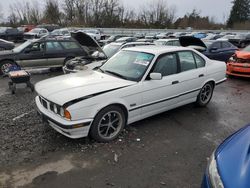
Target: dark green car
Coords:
[[45, 52]]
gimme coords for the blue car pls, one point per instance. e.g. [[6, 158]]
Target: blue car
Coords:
[[229, 165], [213, 49]]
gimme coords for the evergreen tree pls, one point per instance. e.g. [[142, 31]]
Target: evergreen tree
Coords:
[[240, 12]]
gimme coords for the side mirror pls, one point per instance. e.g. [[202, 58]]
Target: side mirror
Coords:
[[155, 76]]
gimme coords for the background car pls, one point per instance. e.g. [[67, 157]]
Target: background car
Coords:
[[11, 34], [6, 45], [168, 42], [60, 32], [45, 52], [126, 39], [241, 40], [229, 165], [112, 38], [219, 50], [95, 33], [36, 33], [239, 63]]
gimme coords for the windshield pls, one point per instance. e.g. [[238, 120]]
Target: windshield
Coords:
[[129, 65], [22, 46], [35, 30], [111, 49]]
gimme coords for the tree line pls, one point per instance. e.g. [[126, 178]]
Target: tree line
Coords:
[[112, 13]]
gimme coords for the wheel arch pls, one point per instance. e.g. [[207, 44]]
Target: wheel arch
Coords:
[[12, 60], [122, 106], [210, 81]]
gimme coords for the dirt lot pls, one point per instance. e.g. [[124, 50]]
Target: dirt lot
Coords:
[[167, 150]]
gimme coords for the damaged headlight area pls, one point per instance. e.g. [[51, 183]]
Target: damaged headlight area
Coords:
[[57, 109], [214, 175]]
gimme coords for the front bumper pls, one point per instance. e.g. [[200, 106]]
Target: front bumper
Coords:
[[71, 129], [235, 69]]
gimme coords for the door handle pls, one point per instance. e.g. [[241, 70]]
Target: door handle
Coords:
[[201, 75], [175, 82]]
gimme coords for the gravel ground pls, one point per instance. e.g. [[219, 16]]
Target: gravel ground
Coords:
[[167, 150]]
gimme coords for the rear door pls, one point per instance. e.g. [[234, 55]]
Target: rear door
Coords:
[[216, 52], [55, 53], [192, 74], [228, 51]]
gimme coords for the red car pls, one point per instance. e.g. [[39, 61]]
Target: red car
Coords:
[[239, 63]]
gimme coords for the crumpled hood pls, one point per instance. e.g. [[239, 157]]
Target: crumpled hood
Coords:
[[66, 88], [242, 54], [233, 159]]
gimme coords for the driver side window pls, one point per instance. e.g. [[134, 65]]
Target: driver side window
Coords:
[[166, 65], [36, 46]]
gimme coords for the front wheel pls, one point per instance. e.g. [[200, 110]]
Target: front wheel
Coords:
[[108, 124], [205, 95]]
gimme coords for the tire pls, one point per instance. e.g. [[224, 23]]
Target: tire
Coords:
[[67, 59], [205, 95], [108, 124], [242, 45], [4, 66]]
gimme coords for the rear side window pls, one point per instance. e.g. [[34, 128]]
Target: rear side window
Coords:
[[53, 46], [226, 45], [187, 61], [166, 65], [200, 62], [216, 45], [70, 45]]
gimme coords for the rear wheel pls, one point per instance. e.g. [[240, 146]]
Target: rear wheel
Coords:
[[205, 94], [108, 124], [5, 67]]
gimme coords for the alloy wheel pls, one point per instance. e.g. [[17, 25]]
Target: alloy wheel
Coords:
[[110, 125]]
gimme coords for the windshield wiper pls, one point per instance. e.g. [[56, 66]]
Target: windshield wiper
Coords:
[[116, 74]]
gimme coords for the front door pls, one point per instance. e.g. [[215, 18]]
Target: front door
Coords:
[[32, 56], [160, 95]]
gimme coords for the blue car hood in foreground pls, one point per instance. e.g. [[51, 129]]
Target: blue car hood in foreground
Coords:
[[233, 159]]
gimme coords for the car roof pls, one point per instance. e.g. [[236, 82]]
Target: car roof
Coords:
[[157, 50]]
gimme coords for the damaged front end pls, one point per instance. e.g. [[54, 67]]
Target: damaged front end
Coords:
[[96, 57]]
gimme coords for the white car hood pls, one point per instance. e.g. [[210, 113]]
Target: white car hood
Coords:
[[66, 88]]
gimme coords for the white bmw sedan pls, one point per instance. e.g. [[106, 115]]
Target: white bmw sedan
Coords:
[[134, 84]]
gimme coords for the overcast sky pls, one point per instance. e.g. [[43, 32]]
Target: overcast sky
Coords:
[[219, 9]]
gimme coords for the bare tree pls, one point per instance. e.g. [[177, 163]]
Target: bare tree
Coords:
[[52, 13]]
